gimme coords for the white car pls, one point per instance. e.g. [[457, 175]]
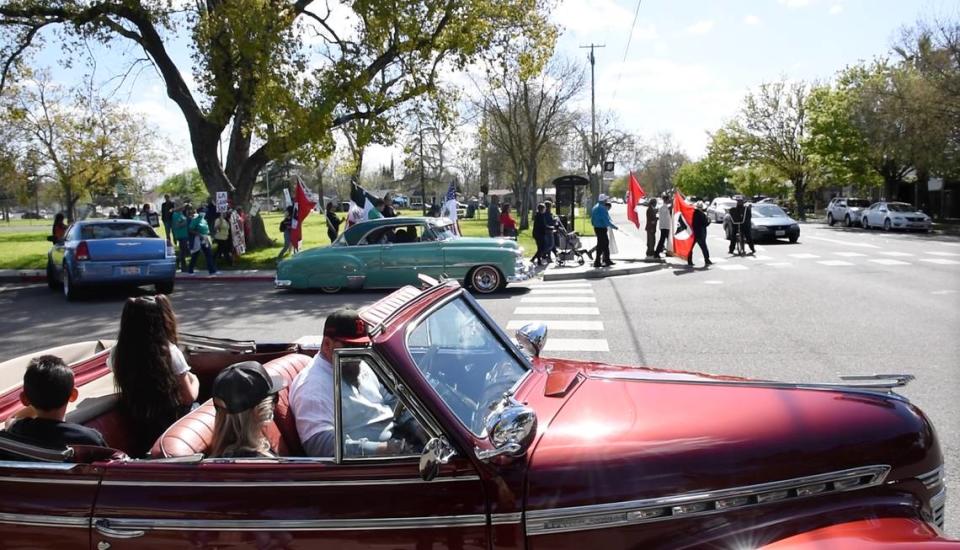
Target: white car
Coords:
[[718, 208], [845, 209], [895, 215]]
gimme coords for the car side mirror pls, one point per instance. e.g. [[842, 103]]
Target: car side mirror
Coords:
[[510, 427], [436, 453], [532, 337]]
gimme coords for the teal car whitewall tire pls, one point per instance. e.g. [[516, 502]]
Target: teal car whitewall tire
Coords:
[[485, 279]]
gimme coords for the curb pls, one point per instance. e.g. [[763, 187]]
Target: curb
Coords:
[[23, 276], [604, 273], [40, 276]]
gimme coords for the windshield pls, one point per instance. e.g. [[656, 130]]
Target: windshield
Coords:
[[726, 204], [464, 361], [116, 231], [900, 207], [443, 232], [768, 211], [858, 203]]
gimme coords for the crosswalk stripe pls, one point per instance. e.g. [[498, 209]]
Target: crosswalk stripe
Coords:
[[558, 300], [834, 262], [556, 324], [559, 291], [846, 243], [804, 256], [943, 253], [562, 284], [559, 310], [849, 254], [940, 261], [885, 261], [732, 267], [779, 265], [896, 254]]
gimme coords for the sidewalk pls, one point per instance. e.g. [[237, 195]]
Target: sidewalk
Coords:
[[630, 259], [40, 276]]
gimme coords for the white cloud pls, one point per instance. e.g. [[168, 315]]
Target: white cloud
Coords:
[[592, 16], [836, 9], [751, 20], [701, 27], [795, 3]]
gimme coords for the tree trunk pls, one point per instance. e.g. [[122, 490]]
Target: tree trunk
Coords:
[[799, 195]]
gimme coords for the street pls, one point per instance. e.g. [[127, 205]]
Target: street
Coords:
[[841, 301]]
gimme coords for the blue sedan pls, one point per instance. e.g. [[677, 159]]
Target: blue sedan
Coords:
[[110, 252]]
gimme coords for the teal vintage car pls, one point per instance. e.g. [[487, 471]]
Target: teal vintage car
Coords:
[[391, 252]]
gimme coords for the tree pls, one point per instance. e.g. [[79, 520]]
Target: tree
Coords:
[[280, 75], [611, 142], [660, 162], [705, 178], [87, 144], [771, 131], [526, 113], [187, 186]]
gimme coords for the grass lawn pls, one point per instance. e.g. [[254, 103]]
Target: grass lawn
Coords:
[[27, 249]]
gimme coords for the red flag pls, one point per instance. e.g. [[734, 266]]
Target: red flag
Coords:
[[682, 229], [302, 206], [634, 194]]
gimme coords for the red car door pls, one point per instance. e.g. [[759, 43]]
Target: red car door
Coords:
[[46, 504]]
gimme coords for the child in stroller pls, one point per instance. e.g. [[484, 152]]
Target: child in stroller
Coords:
[[568, 247]]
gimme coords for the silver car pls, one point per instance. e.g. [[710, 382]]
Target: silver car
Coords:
[[846, 209], [718, 208], [895, 215]]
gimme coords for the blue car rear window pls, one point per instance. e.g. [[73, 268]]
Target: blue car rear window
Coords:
[[116, 231]]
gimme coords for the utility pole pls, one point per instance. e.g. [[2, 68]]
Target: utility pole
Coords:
[[594, 161], [423, 187]]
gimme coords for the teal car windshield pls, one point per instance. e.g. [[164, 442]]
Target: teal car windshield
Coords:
[[464, 361], [443, 232]]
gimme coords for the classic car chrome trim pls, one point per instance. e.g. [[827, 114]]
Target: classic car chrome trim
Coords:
[[933, 478], [52, 481], [47, 466], [619, 514], [39, 520], [427, 522], [506, 519], [318, 483], [938, 504]]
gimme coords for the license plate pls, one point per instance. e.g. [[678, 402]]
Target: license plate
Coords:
[[781, 233], [129, 270]]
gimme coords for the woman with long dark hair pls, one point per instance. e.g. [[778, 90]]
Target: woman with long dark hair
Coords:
[[59, 227], [151, 374]]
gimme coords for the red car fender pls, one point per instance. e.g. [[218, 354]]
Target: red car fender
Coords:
[[867, 534]]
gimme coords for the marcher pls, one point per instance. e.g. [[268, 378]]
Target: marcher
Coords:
[[600, 219], [48, 387], [199, 233], [166, 216], [59, 229], [700, 224], [666, 218], [537, 233], [550, 223], [285, 224], [740, 217], [333, 222], [508, 226], [244, 396], [388, 211], [180, 220], [221, 234], [210, 212], [651, 228], [148, 215], [493, 216]]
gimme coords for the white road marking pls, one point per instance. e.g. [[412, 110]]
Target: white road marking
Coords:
[[559, 284], [558, 324], [942, 292], [944, 253], [760, 258], [940, 261], [847, 243], [558, 291], [897, 254], [834, 263], [713, 282], [716, 259], [849, 254], [559, 300], [780, 265], [541, 310], [884, 261], [732, 267], [804, 256]]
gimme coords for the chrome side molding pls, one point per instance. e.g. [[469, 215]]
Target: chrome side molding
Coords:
[[878, 382]]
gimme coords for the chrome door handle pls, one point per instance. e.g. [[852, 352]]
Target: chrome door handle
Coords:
[[103, 527]]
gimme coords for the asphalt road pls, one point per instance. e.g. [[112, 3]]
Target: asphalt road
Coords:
[[840, 301]]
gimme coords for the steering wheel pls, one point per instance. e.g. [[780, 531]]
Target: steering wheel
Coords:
[[427, 361]]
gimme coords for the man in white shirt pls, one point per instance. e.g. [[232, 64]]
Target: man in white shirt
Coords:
[[665, 219], [311, 393]]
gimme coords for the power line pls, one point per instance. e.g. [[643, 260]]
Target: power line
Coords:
[[636, 14]]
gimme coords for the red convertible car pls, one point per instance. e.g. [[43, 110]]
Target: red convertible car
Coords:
[[498, 448]]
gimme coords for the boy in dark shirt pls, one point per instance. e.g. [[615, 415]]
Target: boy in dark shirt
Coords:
[[48, 388]]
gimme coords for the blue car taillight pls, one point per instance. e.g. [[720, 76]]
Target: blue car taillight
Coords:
[[83, 251]]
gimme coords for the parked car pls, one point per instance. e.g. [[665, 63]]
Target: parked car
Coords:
[[718, 208], [391, 252], [108, 253], [768, 222], [491, 447], [895, 215], [847, 209]]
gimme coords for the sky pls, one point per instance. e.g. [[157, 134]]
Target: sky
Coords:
[[688, 65]]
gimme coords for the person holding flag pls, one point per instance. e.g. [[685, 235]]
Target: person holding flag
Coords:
[[690, 227], [450, 205], [361, 203], [634, 194], [302, 206]]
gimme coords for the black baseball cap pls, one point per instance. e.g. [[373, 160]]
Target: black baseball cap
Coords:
[[241, 386], [347, 326]]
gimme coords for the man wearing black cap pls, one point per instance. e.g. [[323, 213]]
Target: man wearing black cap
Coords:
[[241, 395], [312, 391]]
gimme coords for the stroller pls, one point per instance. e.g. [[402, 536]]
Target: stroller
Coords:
[[568, 247]]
